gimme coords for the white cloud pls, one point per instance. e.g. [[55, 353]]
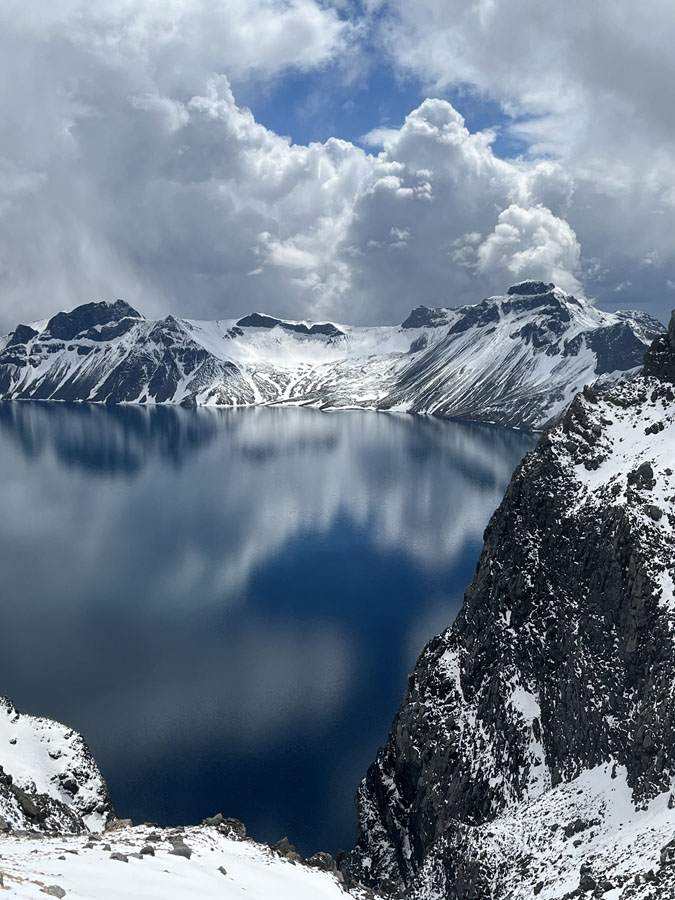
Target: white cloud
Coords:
[[588, 84], [531, 243], [127, 168]]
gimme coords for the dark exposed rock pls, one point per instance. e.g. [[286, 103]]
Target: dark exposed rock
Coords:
[[258, 320], [660, 358], [120, 857], [424, 317], [65, 326], [323, 861], [530, 288], [233, 828], [22, 334], [327, 329], [283, 847]]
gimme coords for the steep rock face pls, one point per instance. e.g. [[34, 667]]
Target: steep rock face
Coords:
[[551, 700], [516, 360], [49, 780]]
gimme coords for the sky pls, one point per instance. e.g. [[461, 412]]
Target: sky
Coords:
[[343, 160]]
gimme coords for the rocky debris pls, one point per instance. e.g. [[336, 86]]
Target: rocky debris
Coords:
[[119, 824], [642, 477], [53, 890], [233, 828], [561, 662], [246, 869], [283, 847], [425, 317], [323, 861]]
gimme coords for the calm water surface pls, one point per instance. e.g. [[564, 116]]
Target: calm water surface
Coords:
[[227, 603]]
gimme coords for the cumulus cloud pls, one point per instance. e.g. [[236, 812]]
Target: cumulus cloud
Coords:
[[586, 84], [531, 243], [128, 168]]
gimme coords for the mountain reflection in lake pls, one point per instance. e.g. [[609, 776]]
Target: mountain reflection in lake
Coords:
[[227, 602]]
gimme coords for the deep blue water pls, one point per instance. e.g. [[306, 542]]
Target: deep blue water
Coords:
[[227, 603]]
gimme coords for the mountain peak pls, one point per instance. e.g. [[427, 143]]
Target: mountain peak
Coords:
[[530, 288], [65, 325]]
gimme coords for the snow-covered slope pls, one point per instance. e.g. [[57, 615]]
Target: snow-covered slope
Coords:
[[173, 864], [49, 780], [534, 752], [516, 359]]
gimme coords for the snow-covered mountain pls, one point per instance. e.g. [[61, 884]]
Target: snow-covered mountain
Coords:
[[49, 781], [516, 359], [534, 752]]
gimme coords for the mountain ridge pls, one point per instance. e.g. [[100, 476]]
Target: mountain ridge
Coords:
[[514, 360]]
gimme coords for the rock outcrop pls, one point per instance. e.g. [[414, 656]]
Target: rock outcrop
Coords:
[[49, 781]]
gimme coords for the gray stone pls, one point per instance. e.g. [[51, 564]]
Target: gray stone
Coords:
[[53, 890], [218, 819], [283, 847]]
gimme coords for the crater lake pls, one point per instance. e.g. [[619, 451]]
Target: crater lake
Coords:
[[226, 603]]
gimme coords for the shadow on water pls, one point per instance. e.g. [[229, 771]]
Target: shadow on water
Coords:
[[227, 602]]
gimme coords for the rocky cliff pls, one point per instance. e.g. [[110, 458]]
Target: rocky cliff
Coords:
[[49, 781], [515, 360], [534, 752]]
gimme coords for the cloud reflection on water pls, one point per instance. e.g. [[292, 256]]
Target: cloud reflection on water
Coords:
[[226, 602]]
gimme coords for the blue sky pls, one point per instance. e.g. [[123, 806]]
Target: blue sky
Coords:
[[318, 105]]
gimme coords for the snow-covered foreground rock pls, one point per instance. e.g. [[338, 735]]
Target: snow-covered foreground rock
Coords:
[[129, 863], [534, 752], [49, 780], [515, 360]]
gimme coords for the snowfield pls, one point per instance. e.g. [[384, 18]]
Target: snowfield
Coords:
[[219, 867]]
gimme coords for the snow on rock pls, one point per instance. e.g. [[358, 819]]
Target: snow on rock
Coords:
[[174, 864], [534, 752], [49, 780], [516, 359]]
